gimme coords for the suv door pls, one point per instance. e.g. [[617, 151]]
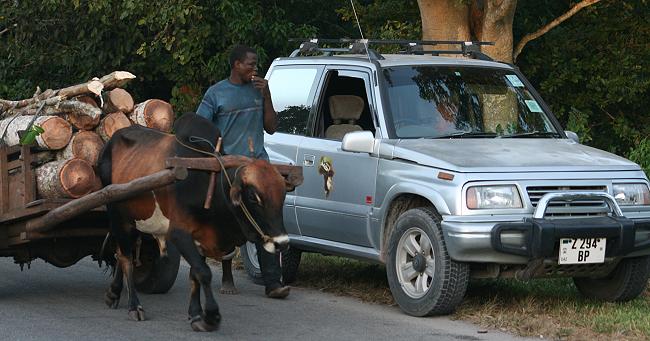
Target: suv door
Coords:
[[342, 214], [292, 91]]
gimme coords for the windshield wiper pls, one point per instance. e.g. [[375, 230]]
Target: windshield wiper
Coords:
[[463, 134], [535, 133]]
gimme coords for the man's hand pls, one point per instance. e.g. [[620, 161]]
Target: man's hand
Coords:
[[262, 84]]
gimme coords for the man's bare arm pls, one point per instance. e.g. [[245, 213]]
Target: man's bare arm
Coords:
[[270, 116]]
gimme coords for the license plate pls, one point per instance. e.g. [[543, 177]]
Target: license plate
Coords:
[[582, 250]]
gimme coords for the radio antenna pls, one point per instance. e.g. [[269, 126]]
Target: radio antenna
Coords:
[[363, 40]]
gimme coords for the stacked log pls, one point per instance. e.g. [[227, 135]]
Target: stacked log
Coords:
[[76, 122]]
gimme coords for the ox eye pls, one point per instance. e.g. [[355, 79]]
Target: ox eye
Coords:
[[255, 198]]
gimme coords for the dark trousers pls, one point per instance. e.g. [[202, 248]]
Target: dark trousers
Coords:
[[270, 267]]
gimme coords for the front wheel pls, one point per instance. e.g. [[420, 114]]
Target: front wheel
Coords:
[[628, 280], [290, 263], [422, 277]]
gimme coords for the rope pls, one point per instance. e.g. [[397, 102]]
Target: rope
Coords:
[[218, 156]]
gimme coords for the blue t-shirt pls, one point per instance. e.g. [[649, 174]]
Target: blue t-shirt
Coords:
[[238, 111]]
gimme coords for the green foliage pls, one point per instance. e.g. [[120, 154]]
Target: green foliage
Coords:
[[168, 45], [593, 70]]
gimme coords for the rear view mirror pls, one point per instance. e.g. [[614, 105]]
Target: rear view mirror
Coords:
[[572, 136], [358, 142]]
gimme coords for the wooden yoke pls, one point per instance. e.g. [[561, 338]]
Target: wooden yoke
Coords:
[[213, 180]]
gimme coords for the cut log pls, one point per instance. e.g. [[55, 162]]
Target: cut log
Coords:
[[154, 113], [85, 145], [81, 120], [112, 123], [116, 79], [65, 179], [56, 136], [96, 85], [56, 106], [118, 100]]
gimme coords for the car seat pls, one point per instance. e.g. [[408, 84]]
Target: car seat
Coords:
[[345, 110]]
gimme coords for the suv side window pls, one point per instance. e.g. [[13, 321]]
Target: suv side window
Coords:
[[292, 90]]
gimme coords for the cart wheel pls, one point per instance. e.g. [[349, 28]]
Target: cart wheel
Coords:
[[157, 274]]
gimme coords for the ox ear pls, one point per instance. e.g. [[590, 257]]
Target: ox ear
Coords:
[[292, 176], [235, 192]]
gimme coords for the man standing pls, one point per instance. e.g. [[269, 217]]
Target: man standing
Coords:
[[241, 107]]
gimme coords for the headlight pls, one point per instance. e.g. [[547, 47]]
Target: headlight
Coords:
[[631, 194], [487, 197]]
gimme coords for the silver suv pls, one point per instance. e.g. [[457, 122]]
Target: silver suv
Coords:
[[447, 169]]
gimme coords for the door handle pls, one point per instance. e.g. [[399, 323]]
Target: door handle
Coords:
[[309, 160]]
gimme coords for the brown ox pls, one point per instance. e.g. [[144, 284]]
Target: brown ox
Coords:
[[175, 212]]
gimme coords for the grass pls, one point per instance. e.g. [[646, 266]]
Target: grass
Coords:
[[552, 308]]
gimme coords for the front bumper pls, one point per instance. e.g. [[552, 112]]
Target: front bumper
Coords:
[[519, 240]]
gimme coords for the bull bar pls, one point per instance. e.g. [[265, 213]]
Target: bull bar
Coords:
[[541, 235]]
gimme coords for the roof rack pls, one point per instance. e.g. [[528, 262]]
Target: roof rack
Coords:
[[470, 49]]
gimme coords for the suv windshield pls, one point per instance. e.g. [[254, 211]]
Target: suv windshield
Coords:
[[448, 102]]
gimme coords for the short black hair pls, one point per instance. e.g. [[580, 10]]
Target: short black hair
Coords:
[[238, 53]]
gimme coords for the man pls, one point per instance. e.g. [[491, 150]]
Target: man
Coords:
[[240, 106]]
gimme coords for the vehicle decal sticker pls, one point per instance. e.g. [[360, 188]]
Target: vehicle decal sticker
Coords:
[[326, 169], [533, 105], [515, 81]]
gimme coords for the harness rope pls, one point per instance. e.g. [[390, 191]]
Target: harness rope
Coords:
[[245, 210]]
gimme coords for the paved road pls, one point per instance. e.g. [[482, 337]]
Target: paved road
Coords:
[[47, 303]]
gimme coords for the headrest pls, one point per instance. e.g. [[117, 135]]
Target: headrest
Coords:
[[346, 107]]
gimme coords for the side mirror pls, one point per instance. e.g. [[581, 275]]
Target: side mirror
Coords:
[[358, 142], [573, 136]]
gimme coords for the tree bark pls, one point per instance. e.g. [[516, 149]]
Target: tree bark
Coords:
[[444, 20], [154, 113], [81, 119], [112, 123], [57, 132], [56, 106], [85, 145], [72, 178], [495, 25]]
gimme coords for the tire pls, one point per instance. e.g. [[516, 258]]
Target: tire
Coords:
[[251, 264], [290, 264], [157, 274], [628, 280], [425, 282]]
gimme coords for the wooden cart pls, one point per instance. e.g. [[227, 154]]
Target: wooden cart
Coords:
[[63, 231]]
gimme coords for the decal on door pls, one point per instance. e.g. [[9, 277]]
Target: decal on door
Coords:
[[326, 169]]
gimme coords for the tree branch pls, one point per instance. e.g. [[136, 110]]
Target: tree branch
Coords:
[[575, 9]]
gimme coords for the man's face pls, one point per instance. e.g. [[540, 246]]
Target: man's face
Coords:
[[247, 68]]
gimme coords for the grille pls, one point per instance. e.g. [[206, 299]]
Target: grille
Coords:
[[562, 208]]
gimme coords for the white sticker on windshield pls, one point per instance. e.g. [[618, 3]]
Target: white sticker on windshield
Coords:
[[533, 106], [515, 81]]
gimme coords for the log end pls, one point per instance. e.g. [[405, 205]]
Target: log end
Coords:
[[87, 146], [77, 178], [57, 133]]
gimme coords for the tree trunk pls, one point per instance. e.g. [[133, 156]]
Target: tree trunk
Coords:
[[85, 145], [118, 100], [57, 132], [484, 20], [154, 113], [444, 20], [492, 21], [65, 179], [112, 123]]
